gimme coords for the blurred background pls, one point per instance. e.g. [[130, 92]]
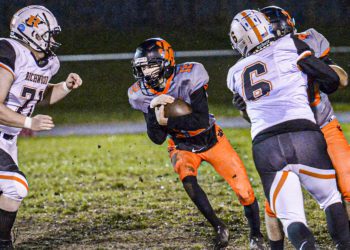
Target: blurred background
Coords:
[[107, 26]]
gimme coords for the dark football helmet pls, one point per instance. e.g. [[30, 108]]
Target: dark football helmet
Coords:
[[282, 22], [153, 64]]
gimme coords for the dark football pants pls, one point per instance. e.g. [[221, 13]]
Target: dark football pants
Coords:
[[287, 161]]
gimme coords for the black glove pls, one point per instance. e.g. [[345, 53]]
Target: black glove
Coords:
[[238, 102]]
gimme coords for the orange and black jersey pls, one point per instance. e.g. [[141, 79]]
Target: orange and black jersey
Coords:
[[190, 132]]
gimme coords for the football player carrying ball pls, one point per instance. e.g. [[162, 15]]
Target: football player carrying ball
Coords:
[[194, 137]]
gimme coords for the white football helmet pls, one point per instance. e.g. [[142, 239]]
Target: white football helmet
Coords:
[[35, 26], [250, 29]]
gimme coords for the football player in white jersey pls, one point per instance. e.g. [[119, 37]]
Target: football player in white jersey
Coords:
[[27, 63], [337, 145], [288, 146]]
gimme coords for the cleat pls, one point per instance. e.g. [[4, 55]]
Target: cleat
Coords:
[[222, 237], [257, 243]]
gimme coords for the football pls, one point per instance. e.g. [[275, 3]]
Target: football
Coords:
[[177, 108], [344, 80]]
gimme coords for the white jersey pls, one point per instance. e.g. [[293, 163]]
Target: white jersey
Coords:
[[30, 79], [272, 85]]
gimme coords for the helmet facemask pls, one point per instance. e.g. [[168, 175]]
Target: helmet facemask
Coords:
[[149, 73], [152, 65]]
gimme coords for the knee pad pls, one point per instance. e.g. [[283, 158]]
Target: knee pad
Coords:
[[13, 185], [246, 198]]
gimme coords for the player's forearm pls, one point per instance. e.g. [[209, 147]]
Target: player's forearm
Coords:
[[198, 119], [320, 72], [10, 118], [193, 121], [155, 132], [55, 93]]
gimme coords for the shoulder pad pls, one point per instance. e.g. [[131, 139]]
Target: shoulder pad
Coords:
[[7, 56], [196, 73], [316, 41], [136, 98]]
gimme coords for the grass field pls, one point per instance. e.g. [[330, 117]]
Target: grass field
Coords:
[[121, 192]]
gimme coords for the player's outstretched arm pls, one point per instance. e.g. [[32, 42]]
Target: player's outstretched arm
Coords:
[[11, 118], [56, 92]]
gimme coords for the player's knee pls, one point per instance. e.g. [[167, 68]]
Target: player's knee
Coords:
[[291, 218], [247, 197], [273, 228], [345, 191], [332, 197]]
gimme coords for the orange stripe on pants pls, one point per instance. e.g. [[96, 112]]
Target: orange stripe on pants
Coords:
[[278, 188], [14, 178]]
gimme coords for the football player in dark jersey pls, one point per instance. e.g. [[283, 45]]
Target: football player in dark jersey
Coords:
[[194, 137]]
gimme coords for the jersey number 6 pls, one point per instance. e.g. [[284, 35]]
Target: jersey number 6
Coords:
[[255, 90]]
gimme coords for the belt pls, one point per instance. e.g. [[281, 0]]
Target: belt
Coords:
[[7, 136]]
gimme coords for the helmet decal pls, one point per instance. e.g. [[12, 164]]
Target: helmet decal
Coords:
[[34, 21], [252, 25], [166, 51], [250, 32]]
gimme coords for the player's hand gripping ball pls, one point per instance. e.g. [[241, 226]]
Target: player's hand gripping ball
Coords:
[[174, 109], [177, 108]]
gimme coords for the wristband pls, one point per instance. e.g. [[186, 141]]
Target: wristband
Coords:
[[28, 122], [66, 89]]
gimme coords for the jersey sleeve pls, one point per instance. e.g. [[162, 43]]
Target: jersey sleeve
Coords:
[[7, 56], [55, 66], [199, 77], [136, 99], [317, 42], [231, 80]]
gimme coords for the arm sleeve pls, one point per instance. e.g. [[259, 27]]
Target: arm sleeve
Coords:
[[328, 60], [155, 132], [198, 119], [7, 56], [320, 72], [315, 68]]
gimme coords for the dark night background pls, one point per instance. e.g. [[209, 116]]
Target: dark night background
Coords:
[[107, 26]]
